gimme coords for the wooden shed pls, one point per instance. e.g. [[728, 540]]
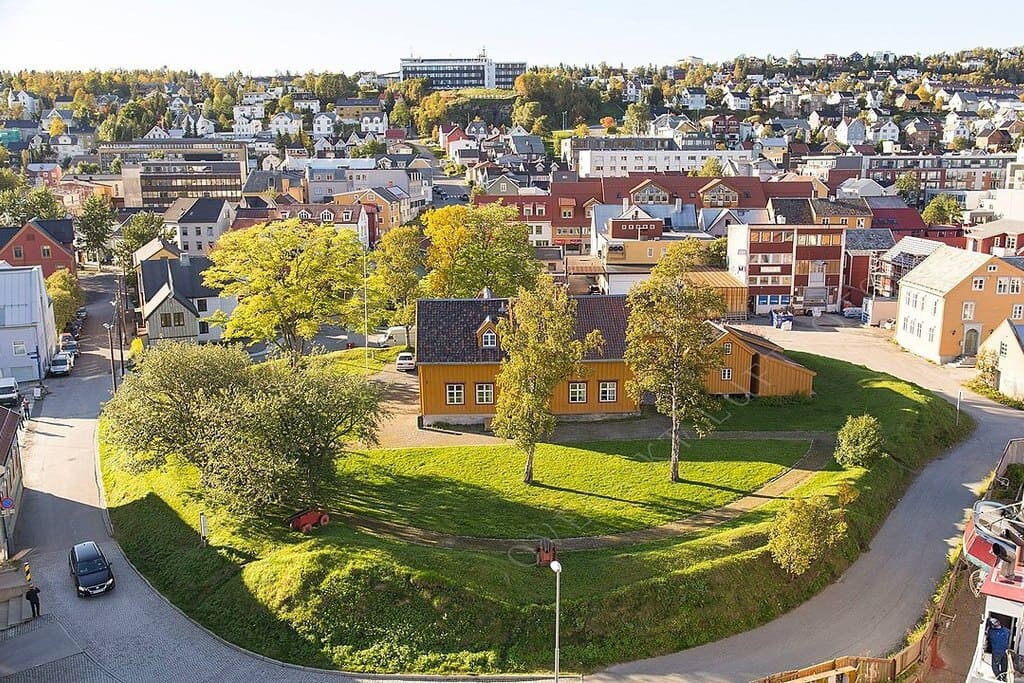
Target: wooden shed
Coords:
[[728, 285], [754, 366]]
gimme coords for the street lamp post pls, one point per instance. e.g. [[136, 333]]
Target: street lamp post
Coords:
[[110, 342], [556, 567], [116, 303]]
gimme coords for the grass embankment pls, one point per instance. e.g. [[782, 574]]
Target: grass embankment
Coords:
[[350, 600], [979, 386]]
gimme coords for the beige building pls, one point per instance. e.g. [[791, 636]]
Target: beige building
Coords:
[[954, 300], [1006, 345]]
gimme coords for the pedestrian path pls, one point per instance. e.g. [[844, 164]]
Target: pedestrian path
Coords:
[[818, 455]]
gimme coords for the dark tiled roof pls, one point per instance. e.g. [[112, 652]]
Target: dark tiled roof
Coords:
[[203, 210], [187, 278], [6, 235], [869, 239], [9, 421], [61, 230], [446, 328]]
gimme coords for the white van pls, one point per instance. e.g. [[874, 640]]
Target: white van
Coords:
[[9, 392]]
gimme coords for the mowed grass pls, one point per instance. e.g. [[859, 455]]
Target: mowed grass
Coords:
[[346, 599], [579, 490]]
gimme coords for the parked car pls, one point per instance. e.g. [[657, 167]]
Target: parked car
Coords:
[[70, 347], [61, 364], [464, 197], [405, 362], [90, 571], [66, 337], [82, 313], [853, 312], [391, 336], [9, 395]]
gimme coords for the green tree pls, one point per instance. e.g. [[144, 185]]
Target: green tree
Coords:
[[115, 165], [538, 339], [328, 87], [859, 442], [473, 247], [291, 278], [582, 130], [57, 127], [398, 266], [943, 209], [18, 207], [717, 252], [803, 532], [95, 225], [908, 186], [66, 294], [637, 118], [959, 144], [9, 180], [712, 168], [401, 115], [667, 346], [159, 404], [5, 160], [369, 149]]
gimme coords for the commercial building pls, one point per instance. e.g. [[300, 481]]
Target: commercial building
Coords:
[[28, 334], [455, 73], [173, 149], [157, 184]]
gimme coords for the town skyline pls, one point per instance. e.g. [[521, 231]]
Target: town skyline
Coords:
[[878, 27]]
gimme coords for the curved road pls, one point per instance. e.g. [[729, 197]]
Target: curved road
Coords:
[[134, 635]]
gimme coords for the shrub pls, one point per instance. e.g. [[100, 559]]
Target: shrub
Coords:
[[803, 532], [859, 441]]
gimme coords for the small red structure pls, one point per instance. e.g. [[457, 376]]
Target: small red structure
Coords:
[[307, 519], [547, 552]]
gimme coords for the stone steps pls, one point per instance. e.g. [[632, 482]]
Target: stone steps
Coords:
[[15, 611]]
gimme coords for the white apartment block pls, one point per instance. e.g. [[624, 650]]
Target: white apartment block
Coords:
[[618, 163]]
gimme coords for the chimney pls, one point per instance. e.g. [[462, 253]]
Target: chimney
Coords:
[[625, 203], [679, 204]]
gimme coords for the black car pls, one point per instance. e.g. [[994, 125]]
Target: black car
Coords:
[[464, 197], [90, 570]]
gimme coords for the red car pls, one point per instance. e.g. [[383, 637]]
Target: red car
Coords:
[[307, 519]]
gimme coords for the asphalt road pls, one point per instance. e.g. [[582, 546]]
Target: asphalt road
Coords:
[[881, 597]]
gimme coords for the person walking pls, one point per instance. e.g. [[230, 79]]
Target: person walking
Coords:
[[32, 595], [26, 409]]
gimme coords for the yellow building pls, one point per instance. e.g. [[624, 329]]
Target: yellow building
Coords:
[[953, 300], [458, 355]]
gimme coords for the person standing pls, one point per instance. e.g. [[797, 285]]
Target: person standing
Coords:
[[32, 595], [999, 641], [26, 409]]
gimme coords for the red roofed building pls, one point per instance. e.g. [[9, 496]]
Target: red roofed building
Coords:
[[48, 244]]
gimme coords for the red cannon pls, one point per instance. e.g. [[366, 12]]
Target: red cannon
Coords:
[[307, 519]]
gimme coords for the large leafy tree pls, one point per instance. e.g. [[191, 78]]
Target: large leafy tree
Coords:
[[95, 225], [18, 207], [638, 116], [667, 345], [66, 294], [395, 283], [472, 247], [541, 350], [291, 278], [943, 209]]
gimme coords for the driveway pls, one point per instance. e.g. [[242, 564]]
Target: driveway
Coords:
[[880, 598]]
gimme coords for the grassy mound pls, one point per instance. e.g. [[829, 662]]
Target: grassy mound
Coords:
[[345, 599]]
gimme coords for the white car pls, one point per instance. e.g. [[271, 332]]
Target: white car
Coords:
[[405, 362], [61, 364]]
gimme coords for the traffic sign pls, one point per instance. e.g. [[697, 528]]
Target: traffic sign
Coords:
[[34, 355], [7, 503]]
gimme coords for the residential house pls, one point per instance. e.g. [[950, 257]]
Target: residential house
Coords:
[[198, 223], [285, 123], [28, 334], [11, 478], [963, 100], [353, 109], [693, 99], [46, 174], [30, 102], [352, 217], [305, 101], [953, 301], [175, 305], [1003, 237], [392, 204], [458, 354], [887, 269], [1006, 347], [883, 131], [160, 133], [851, 131], [908, 102], [251, 110], [374, 122], [478, 130], [245, 126], [65, 146], [324, 123], [50, 245], [736, 101]]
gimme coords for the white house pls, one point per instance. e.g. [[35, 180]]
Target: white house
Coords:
[[693, 98], [285, 122], [1006, 345], [30, 102], [66, 146], [884, 131], [306, 103], [851, 131], [156, 133], [375, 122], [246, 126], [324, 122], [175, 303], [251, 111], [963, 101], [737, 101], [28, 334], [198, 223]]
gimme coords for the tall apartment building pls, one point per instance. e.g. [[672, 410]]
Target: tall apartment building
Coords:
[[156, 184], [454, 73]]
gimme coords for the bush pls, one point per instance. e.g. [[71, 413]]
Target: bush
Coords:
[[859, 441], [803, 532]]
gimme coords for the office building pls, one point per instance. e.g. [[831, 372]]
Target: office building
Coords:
[[452, 74]]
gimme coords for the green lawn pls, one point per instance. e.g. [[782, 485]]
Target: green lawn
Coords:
[[357, 360], [579, 490], [345, 599]]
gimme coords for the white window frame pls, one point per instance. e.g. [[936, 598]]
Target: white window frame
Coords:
[[454, 394], [484, 394], [577, 392], [726, 374], [978, 284], [489, 340], [19, 348], [607, 391], [727, 348], [1017, 312], [967, 311]]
